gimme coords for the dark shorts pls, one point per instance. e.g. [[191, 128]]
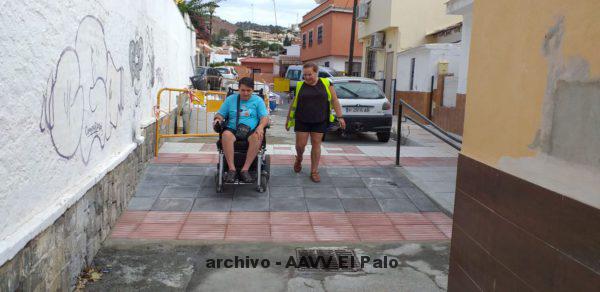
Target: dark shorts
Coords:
[[311, 127], [233, 132]]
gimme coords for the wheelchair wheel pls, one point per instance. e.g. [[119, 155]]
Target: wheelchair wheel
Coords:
[[267, 166], [218, 184], [263, 184]]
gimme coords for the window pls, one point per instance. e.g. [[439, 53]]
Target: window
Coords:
[[310, 38], [412, 73], [304, 41], [294, 74], [327, 64], [370, 64], [200, 71], [320, 34], [323, 74], [362, 90]]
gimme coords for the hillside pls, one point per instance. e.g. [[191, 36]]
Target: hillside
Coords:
[[219, 24], [246, 25]]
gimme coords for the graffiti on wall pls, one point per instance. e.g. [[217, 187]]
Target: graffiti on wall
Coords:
[[142, 64], [83, 100], [84, 97]]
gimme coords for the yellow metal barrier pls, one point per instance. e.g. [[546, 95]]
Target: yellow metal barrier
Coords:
[[196, 97], [281, 84]]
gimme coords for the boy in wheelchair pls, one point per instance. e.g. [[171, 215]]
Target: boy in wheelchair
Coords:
[[242, 117]]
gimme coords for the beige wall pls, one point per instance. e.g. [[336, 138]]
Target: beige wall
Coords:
[[413, 18], [534, 93], [405, 23]]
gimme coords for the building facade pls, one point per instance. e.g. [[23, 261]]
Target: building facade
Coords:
[[325, 35], [259, 65], [388, 27], [527, 205]]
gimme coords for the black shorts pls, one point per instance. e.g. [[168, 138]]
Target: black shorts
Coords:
[[311, 127], [233, 132]]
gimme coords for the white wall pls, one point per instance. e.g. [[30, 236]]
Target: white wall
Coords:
[[463, 72], [426, 64], [218, 58], [78, 79], [293, 50], [465, 9], [335, 62]]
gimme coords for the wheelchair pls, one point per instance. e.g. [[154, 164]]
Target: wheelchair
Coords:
[[260, 168]]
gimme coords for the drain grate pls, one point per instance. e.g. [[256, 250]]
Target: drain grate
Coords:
[[338, 260]]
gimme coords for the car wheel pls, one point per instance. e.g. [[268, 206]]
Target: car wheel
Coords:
[[383, 136]]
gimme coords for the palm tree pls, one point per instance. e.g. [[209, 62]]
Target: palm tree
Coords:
[[199, 10]]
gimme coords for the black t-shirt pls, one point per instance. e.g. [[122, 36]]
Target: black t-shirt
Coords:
[[313, 104]]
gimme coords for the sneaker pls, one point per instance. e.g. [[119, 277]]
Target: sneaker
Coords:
[[230, 176], [246, 177]]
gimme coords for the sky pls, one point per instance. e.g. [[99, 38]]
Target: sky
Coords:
[[288, 11]]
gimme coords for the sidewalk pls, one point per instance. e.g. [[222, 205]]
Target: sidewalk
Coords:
[[437, 181], [427, 161]]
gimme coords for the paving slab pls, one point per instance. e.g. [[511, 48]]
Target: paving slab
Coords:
[[387, 192], [342, 172], [286, 192], [145, 190], [353, 193], [250, 203], [141, 203], [348, 182], [288, 204], [180, 192], [319, 192], [173, 204], [361, 205], [324, 204], [398, 205], [213, 204]]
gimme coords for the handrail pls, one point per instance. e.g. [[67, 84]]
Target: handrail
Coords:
[[437, 135], [412, 109]]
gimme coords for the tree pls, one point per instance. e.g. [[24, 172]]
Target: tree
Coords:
[[287, 42], [259, 47], [199, 10], [239, 33], [275, 47], [216, 40], [223, 33]]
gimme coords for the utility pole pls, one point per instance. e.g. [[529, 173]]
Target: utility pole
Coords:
[[353, 31], [275, 10]]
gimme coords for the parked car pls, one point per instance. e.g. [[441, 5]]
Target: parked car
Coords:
[[294, 74], [364, 107], [227, 72], [207, 78]]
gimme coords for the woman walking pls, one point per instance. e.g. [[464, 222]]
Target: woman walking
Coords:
[[310, 115]]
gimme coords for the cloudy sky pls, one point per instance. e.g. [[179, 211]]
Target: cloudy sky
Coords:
[[287, 11]]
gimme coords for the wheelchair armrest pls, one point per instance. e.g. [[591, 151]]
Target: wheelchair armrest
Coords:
[[220, 126]]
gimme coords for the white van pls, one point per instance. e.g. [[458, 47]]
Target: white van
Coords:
[[294, 74]]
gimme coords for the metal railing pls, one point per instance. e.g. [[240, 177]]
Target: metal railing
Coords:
[[447, 138], [197, 98]]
